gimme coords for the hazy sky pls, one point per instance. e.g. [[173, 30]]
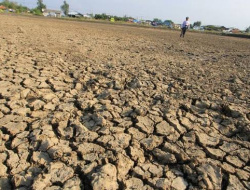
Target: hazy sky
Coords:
[[230, 13]]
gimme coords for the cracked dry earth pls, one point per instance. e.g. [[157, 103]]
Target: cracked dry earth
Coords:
[[98, 106]]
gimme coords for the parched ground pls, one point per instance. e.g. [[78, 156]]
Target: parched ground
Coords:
[[99, 106]]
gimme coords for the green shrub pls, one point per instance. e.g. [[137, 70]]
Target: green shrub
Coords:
[[36, 11]]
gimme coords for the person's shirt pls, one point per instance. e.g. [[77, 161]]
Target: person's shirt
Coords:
[[185, 24]]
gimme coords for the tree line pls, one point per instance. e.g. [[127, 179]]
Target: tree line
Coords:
[[104, 16], [13, 5], [65, 9], [37, 10]]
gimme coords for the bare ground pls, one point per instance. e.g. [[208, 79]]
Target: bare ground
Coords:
[[98, 106]]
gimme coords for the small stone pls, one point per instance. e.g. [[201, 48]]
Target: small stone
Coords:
[[4, 109], [20, 139], [136, 134], [39, 114], [186, 123], [134, 83], [88, 136], [41, 158], [145, 124], [41, 182], [121, 141], [137, 154], [48, 97], [49, 106], [87, 148], [152, 170], [164, 128], [163, 184], [105, 178], [15, 128], [3, 155], [37, 104], [164, 157], [175, 123], [228, 168], [133, 183], [24, 93], [124, 164], [59, 172], [216, 153], [19, 180], [179, 184], [48, 143], [21, 111], [151, 142], [55, 152], [206, 140], [229, 147], [88, 168], [73, 184], [231, 111], [78, 86]]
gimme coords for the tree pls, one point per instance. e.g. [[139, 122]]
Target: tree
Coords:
[[170, 21], [40, 5], [8, 4], [102, 16], [36, 11], [198, 23], [65, 8], [157, 20], [248, 29], [13, 5]]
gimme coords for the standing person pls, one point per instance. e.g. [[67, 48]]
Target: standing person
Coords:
[[184, 27]]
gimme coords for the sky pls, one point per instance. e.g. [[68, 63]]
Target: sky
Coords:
[[229, 13]]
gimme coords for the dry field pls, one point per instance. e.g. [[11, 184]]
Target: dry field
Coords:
[[99, 106]]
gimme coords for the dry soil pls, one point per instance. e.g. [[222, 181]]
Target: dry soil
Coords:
[[100, 106]]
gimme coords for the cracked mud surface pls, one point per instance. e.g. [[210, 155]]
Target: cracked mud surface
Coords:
[[95, 106]]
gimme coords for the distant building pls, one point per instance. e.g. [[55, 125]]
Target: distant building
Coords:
[[2, 7], [153, 23], [168, 24], [223, 28], [51, 13], [232, 30], [177, 26], [200, 28], [148, 22], [75, 14], [131, 19], [135, 21], [87, 16], [196, 28], [228, 30], [236, 31]]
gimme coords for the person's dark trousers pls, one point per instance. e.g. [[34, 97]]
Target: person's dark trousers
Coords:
[[183, 31]]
